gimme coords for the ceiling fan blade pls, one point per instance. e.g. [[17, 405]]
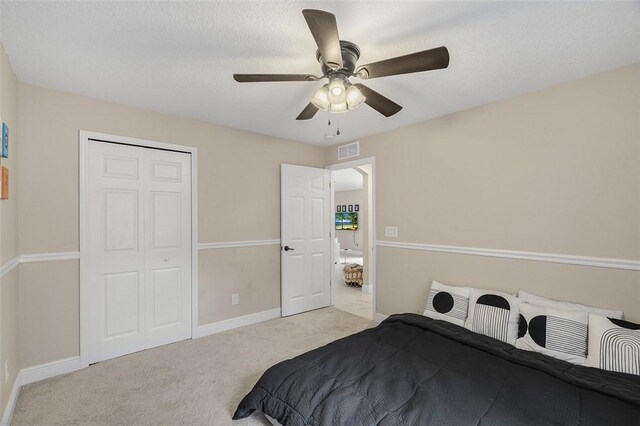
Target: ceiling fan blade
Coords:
[[375, 100], [324, 29], [308, 112], [427, 60], [257, 78]]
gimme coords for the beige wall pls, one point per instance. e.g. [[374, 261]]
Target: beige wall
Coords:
[[238, 190], [555, 171], [346, 238], [49, 312], [404, 278], [9, 115], [9, 234], [252, 272]]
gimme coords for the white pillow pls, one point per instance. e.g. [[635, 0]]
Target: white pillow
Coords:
[[494, 314], [447, 303], [543, 301], [614, 345], [560, 333]]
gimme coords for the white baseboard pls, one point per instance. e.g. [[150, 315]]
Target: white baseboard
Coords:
[[379, 317], [11, 403], [35, 374], [368, 288], [230, 324], [50, 369]]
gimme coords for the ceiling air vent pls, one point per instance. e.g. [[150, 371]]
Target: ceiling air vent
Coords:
[[349, 151]]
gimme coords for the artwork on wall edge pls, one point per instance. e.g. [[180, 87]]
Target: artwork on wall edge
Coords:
[[339, 208], [350, 207], [5, 184], [356, 207], [5, 140]]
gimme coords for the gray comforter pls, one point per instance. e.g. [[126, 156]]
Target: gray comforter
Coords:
[[413, 370]]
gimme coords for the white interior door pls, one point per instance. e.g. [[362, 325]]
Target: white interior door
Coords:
[[139, 248], [305, 238]]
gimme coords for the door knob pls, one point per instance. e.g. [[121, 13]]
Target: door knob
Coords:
[[287, 248]]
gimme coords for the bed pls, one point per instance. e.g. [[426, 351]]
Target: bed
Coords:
[[412, 369]]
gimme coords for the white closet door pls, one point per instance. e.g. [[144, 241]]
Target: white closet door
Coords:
[[168, 247], [139, 249]]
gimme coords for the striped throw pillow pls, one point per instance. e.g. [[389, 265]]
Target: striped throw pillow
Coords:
[[560, 333]]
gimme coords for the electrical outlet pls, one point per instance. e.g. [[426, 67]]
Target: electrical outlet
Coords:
[[6, 371], [234, 299], [391, 231]]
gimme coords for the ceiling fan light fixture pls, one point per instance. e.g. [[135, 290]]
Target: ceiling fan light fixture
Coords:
[[321, 99], [354, 97]]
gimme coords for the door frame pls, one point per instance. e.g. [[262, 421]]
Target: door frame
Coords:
[[372, 263], [84, 138]]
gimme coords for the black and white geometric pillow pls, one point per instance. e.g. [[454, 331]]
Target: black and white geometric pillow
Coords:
[[447, 303], [614, 345], [560, 333], [494, 314]]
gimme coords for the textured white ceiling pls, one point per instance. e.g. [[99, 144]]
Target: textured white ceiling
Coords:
[[179, 57], [346, 180]]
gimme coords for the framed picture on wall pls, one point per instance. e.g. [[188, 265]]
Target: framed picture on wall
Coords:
[[344, 207], [5, 184], [5, 140], [356, 207], [350, 207], [339, 208]]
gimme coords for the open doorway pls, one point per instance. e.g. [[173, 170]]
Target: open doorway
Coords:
[[352, 185]]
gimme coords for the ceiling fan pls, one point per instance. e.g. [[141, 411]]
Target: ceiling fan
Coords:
[[338, 63]]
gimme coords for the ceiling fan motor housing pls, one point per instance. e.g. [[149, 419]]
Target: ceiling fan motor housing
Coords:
[[350, 55]]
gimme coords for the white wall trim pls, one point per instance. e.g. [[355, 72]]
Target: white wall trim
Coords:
[[230, 324], [234, 244], [50, 369], [367, 288], [75, 255], [7, 267], [49, 257], [11, 403], [597, 262], [379, 317], [38, 257], [35, 374]]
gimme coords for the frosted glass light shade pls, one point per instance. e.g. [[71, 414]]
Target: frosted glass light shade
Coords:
[[338, 108], [321, 99], [354, 97], [337, 91]]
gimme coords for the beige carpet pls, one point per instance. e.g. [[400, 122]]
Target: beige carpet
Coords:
[[194, 382], [354, 300]]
